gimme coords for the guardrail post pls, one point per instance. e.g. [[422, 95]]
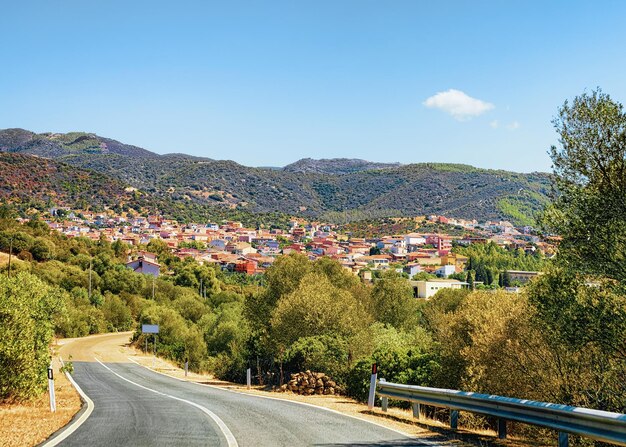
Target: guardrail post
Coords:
[[501, 428], [372, 395], [454, 419], [385, 403], [417, 410], [563, 439]]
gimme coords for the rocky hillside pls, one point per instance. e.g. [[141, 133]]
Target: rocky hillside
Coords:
[[343, 190]]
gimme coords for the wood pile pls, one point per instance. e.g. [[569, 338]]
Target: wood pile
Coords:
[[308, 383]]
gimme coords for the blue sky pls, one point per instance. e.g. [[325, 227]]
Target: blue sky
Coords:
[[267, 83]]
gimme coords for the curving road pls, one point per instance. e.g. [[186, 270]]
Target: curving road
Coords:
[[135, 406]]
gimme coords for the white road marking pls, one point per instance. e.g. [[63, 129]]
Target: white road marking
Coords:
[[69, 429], [230, 439], [306, 404]]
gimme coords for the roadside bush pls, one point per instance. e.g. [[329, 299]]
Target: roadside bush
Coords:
[[402, 357], [117, 314], [176, 339], [319, 353], [27, 309]]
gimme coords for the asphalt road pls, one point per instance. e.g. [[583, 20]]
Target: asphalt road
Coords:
[[138, 407]]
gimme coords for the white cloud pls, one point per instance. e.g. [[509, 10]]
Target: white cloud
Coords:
[[494, 124], [513, 126], [458, 104]]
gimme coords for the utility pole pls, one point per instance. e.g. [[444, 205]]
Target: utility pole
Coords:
[[153, 281], [90, 259], [10, 253]]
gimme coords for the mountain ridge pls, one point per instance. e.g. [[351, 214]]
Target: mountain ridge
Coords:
[[344, 189]]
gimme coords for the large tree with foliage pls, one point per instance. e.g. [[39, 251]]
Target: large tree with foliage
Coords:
[[590, 180], [28, 307]]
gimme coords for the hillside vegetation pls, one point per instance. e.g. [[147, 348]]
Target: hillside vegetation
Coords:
[[337, 190], [39, 182]]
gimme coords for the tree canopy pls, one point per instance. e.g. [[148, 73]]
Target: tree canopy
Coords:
[[589, 212]]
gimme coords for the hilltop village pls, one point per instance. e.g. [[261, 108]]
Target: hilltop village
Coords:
[[234, 248]]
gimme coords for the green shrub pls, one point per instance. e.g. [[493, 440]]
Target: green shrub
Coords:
[[27, 309]]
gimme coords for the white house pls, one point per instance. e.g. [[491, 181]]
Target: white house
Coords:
[[445, 270], [426, 289]]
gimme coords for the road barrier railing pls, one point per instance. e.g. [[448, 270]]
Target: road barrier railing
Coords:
[[595, 424]]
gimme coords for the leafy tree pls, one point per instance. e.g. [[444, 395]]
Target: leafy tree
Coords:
[[27, 310], [320, 353], [584, 326], [393, 301], [506, 279], [492, 257], [423, 276], [374, 251], [402, 357], [158, 246], [177, 340], [226, 334], [121, 279], [282, 278], [316, 307], [190, 306], [489, 277], [470, 279], [119, 248], [590, 178]]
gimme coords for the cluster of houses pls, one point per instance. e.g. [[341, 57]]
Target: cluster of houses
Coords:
[[235, 248]]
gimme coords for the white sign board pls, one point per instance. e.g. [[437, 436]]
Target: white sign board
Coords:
[[150, 328]]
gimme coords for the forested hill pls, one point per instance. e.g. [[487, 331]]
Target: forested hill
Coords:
[[345, 189], [34, 181]]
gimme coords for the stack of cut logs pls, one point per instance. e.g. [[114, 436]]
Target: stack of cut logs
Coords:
[[308, 382]]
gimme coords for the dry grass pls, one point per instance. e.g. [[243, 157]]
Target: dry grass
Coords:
[[4, 259], [30, 423]]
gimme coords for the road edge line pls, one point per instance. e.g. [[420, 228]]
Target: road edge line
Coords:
[[230, 438], [62, 434], [405, 434]]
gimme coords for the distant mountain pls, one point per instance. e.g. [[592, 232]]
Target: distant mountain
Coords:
[[336, 166], [336, 190], [56, 145]]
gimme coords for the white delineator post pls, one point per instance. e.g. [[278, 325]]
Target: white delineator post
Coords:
[[53, 403], [372, 395], [249, 377]]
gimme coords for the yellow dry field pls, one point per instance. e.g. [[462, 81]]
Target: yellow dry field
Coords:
[[29, 424]]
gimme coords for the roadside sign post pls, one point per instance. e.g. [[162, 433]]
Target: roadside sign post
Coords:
[[372, 395], [186, 367], [53, 403], [154, 350], [151, 329], [249, 378]]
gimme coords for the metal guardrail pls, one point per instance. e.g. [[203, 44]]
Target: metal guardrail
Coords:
[[595, 424]]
